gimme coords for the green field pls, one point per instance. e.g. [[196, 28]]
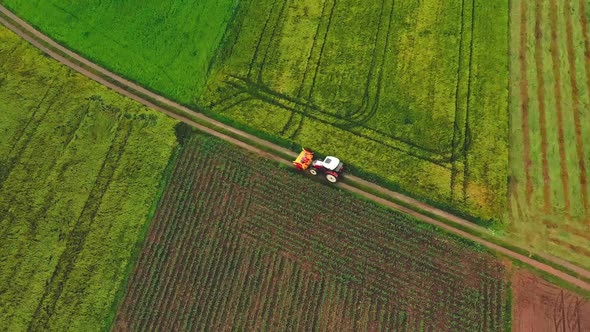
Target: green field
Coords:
[[167, 46], [550, 127], [233, 241], [413, 94], [79, 169]]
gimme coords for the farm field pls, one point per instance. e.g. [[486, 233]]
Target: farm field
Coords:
[[165, 45], [413, 92], [541, 306], [232, 241], [238, 243], [550, 127], [79, 169]]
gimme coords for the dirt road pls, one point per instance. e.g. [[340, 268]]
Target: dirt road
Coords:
[[133, 91]]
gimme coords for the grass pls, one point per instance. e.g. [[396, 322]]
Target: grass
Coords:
[[167, 47], [547, 198], [367, 80], [309, 81], [80, 167]]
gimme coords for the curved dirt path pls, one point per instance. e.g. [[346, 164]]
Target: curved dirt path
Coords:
[[91, 70]]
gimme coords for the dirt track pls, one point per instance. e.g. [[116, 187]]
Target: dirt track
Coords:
[[86, 67]]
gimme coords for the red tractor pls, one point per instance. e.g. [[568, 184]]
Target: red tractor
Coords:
[[331, 167]]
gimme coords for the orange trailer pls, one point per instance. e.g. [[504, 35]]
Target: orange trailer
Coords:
[[304, 159]]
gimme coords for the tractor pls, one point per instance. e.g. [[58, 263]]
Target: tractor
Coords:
[[331, 167]]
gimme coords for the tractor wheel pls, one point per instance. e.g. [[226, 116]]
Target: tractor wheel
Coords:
[[313, 171], [331, 178]]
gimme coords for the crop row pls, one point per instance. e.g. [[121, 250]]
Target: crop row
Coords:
[[238, 243], [368, 264]]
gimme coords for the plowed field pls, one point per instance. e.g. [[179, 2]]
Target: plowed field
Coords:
[[238, 243]]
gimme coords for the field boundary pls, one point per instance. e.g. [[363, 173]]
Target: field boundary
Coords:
[[567, 272]]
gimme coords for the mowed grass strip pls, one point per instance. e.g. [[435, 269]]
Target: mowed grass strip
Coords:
[[80, 166], [549, 191], [164, 46], [239, 243]]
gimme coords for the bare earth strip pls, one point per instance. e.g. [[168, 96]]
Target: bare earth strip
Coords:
[[55, 48]]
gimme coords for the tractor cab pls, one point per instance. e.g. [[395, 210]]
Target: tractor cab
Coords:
[[329, 163]]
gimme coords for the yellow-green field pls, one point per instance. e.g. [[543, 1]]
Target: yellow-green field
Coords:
[[80, 167]]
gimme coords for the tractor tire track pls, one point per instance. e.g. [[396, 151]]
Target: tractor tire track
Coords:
[[307, 67], [54, 49], [375, 105], [253, 88], [576, 107], [467, 129], [259, 96], [48, 201], [455, 142], [239, 22], [541, 100], [367, 94], [220, 102], [278, 22], [76, 239], [524, 96], [234, 104], [559, 107], [259, 42], [317, 69], [30, 127], [8, 54]]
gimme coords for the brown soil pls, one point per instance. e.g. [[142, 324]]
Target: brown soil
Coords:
[[540, 306], [541, 99], [559, 106]]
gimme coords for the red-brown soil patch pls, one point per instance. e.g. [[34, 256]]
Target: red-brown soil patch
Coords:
[[540, 306]]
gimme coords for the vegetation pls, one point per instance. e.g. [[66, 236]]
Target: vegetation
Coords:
[[412, 92], [164, 45], [550, 127], [239, 243], [79, 169]]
